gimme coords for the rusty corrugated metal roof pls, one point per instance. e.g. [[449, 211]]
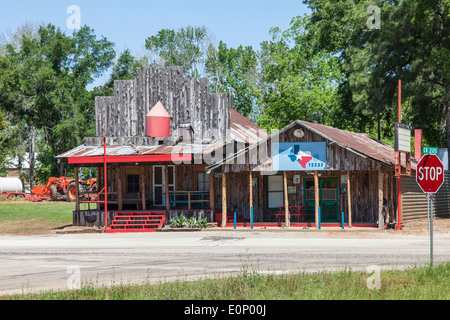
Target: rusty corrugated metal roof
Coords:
[[359, 142], [244, 130]]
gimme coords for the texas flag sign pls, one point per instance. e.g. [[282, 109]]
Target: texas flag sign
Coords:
[[299, 156]]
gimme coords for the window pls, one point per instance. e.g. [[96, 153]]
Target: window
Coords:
[[171, 174], [329, 188], [133, 185], [275, 191], [202, 181]]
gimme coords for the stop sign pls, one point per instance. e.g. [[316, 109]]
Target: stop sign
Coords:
[[430, 173]]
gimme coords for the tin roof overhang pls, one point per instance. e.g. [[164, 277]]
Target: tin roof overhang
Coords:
[[361, 144], [95, 154]]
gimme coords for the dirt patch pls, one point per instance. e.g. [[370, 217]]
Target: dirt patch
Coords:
[[39, 226], [73, 229], [19, 201], [34, 226], [420, 226]]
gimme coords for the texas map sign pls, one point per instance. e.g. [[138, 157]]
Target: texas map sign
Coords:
[[299, 156]]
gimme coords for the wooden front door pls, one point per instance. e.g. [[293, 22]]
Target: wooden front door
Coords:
[[328, 199], [159, 184]]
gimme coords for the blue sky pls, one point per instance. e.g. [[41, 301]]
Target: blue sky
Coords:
[[129, 23]]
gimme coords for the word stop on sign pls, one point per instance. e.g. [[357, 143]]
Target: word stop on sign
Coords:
[[430, 173]]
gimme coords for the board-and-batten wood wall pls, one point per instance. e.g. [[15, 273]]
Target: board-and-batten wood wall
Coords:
[[121, 118]]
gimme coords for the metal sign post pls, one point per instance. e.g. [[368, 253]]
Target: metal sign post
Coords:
[[431, 230], [430, 177]]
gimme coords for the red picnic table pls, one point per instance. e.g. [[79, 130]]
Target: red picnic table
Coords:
[[299, 211]]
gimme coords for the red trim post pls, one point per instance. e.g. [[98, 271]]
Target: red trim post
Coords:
[[418, 144], [399, 178], [106, 184], [399, 101]]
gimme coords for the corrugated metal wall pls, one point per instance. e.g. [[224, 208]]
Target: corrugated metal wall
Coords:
[[414, 200], [442, 202]]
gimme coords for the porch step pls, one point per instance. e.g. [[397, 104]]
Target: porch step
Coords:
[[141, 221]]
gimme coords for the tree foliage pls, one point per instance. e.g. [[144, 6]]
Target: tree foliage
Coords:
[[185, 47], [43, 83], [411, 44], [298, 82], [334, 67], [234, 70], [124, 69]]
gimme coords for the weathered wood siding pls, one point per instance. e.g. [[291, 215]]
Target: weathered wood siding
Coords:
[[338, 158], [122, 117]]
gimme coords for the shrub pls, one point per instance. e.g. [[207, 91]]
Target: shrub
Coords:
[[182, 221], [178, 222]]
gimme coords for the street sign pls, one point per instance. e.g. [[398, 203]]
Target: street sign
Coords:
[[430, 173], [430, 177], [402, 137], [430, 150]]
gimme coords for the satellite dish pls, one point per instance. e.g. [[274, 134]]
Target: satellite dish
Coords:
[[299, 133]]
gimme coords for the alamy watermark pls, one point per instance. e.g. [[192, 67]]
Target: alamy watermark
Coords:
[[73, 22], [233, 152], [74, 279], [374, 280], [374, 20]]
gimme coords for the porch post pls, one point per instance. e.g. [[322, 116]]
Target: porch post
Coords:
[[286, 202], [77, 191], [166, 185], [317, 199], [349, 200], [119, 187], [224, 199], [380, 199], [211, 191], [392, 205], [250, 188], [143, 188], [386, 195]]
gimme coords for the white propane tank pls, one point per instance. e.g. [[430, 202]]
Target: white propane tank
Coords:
[[10, 185]]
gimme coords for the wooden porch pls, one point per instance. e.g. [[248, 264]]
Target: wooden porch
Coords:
[[143, 187]]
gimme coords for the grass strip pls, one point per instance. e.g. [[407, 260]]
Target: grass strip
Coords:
[[415, 283]]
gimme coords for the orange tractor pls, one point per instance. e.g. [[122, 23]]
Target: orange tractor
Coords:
[[63, 188]]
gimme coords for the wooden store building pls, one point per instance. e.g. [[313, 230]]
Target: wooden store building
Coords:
[[167, 147]]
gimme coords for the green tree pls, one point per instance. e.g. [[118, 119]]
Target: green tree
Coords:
[[185, 47], [235, 70], [411, 44], [298, 81], [124, 69], [14, 140], [43, 82]]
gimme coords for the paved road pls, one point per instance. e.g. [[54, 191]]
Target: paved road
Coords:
[[58, 261]]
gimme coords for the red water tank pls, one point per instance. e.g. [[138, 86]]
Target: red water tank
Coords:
[[158, 122]]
